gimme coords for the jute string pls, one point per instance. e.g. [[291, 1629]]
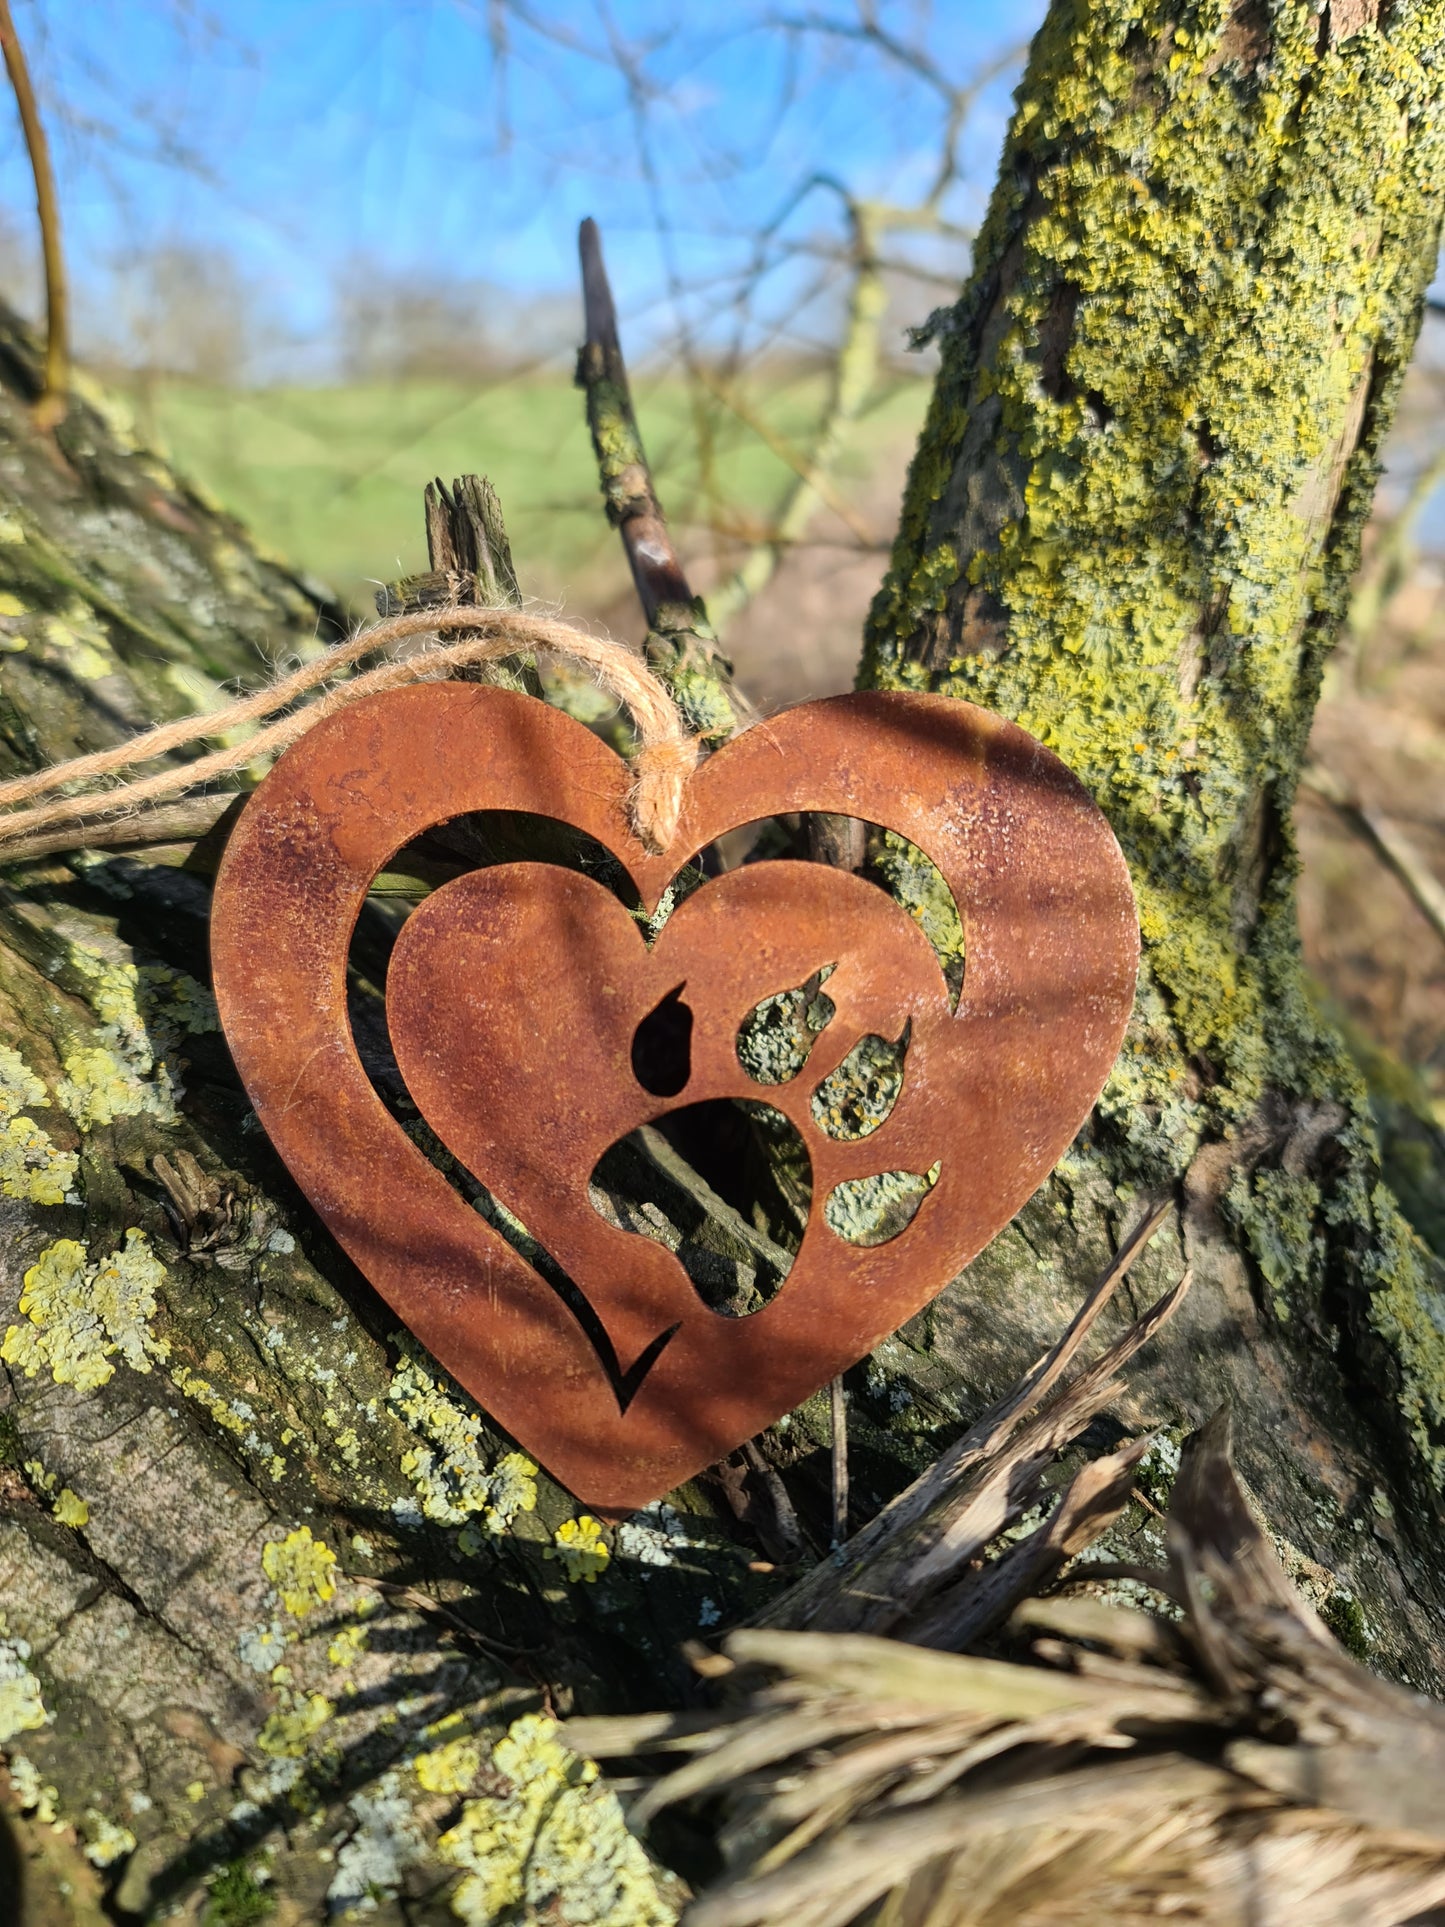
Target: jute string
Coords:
[[665, 758]]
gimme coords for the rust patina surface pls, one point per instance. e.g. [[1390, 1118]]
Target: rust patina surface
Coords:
[[515, 994]]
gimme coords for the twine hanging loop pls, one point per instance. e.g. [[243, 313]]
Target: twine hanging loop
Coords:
[[666, 756]]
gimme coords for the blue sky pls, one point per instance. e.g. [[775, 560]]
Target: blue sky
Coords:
[[302, 136]]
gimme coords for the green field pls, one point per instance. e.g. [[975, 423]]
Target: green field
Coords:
[[331, 478]]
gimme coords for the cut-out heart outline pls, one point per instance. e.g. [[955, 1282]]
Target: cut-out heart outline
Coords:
[[1051, 944]]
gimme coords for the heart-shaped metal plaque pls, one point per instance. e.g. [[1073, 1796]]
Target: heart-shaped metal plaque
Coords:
[[519, 997]]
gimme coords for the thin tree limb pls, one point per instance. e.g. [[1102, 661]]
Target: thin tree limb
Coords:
[[1390, 844], [54, 396], [680, 644], [804, 467], [838, 1397], [854, 369]]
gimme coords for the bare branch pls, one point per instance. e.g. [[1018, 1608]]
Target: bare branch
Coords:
[[1390, 844], [54, 396], [680, 645], [627, 486], [803, 466], [854, 368], [838, 1398], [162, 826]]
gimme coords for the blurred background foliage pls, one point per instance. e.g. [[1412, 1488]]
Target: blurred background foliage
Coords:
[[323, 250]]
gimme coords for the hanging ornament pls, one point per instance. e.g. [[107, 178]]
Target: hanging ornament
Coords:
[[535, 1027]]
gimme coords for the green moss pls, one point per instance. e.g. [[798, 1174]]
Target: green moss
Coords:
[[236, 1898], [693, 672], [1345, 1617], [1148, 460]]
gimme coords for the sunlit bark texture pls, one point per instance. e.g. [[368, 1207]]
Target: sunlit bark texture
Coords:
[[1130, 524]]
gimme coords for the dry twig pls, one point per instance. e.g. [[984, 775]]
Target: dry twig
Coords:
[[900, 1568], [1235, 1767], [680, 643], [54, 396], [1389, 843]]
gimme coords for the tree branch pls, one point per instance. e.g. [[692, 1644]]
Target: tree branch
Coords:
[[853, 371], [54, 396], [680, 643], [1390, 844]]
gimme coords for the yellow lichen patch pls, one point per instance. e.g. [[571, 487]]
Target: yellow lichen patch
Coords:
[[449, 1769], [579, 1545], [68, 1506], [19, 1085], [80, 643], [347, 1646], [209, 1399], [21, 1708], [144, 1011], [30, 1165], [287, 1732], [31, 1791], [98, 1087], [173, 1004], [106, 1841], [300, 1568], [82, 1315], [452, 1479], [556, 1846]]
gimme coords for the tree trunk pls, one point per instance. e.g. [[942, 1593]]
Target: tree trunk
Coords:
[[1131, 524], [255, 1549]]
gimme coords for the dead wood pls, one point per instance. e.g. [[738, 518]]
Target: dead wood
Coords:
[[1234, 1766]]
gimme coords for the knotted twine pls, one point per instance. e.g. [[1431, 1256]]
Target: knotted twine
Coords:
[[666, 756]]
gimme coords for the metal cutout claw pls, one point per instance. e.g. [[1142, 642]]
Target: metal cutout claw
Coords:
[[517, 994]]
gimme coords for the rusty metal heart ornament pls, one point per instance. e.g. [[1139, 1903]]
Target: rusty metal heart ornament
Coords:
[[515, 998]]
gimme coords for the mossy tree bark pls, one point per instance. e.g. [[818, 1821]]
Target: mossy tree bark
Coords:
[[271, 1586], [1131, 523]]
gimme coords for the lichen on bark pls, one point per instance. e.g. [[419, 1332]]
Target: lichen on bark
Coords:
[[1131, 524]]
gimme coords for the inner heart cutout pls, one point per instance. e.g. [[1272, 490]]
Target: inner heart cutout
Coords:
[[519, 997]]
